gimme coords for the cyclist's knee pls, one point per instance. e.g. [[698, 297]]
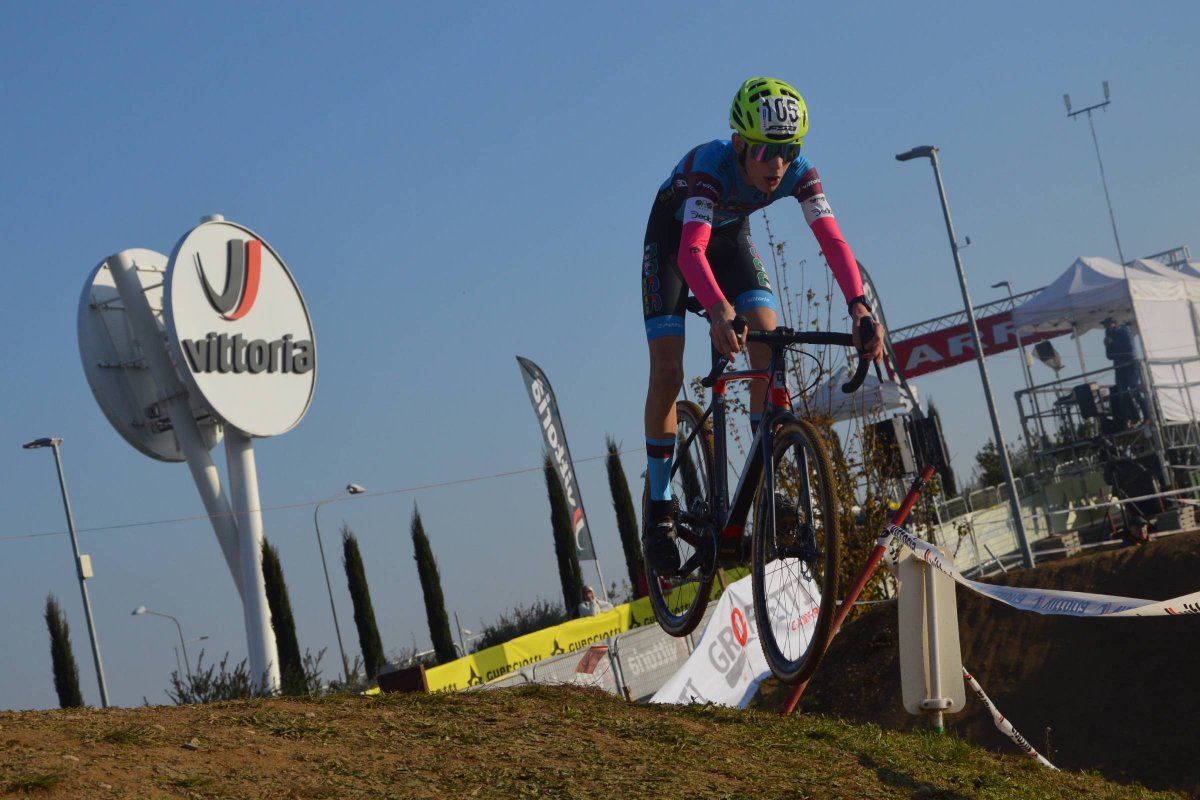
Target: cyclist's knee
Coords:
[[666, 377], [760, 319]]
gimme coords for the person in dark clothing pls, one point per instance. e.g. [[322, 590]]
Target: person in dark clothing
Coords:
[[1129, 398], [1137, 533]]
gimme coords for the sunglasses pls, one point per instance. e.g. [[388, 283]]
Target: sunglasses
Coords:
[[767, 152]]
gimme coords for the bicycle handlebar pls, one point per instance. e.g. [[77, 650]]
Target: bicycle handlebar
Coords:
[[783, 337]]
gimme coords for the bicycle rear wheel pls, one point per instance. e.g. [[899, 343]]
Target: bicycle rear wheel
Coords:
[[794, 562], [679, 600]]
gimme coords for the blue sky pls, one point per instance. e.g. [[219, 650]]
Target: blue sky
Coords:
[[452, 187]]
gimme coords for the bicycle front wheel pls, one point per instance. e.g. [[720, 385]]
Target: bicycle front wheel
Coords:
[[795, 553], [679, 600]]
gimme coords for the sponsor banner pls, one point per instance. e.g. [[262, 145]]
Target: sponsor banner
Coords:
[[1004, 726], [577, 634], [1046, 601], [948, 347], [545, 407], [728, 663]]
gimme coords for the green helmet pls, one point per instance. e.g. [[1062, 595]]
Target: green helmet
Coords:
[[769, 111]]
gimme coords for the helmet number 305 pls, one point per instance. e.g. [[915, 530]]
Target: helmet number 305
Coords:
[[779, 115]]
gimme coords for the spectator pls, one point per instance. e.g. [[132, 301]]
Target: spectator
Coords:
[[1138, 532], [1128, 397], [590, 606]]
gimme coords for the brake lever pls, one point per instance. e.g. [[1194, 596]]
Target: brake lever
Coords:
[[866, 330]]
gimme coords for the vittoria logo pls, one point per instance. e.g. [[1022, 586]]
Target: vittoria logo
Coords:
[[224, 353], [239, 329], [243, 271]]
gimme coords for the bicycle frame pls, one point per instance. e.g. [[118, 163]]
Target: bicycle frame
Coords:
[[729, 514]]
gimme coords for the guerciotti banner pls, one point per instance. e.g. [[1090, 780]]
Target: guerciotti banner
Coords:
[[728, 663], [555, 437]]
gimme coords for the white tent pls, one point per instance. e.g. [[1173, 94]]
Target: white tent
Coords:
[[1161, 302], [1090, 290], [874, 398]]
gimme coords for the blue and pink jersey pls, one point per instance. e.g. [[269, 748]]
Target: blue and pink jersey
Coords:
[[713, 194]]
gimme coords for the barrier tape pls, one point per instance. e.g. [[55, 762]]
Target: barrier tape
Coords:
[[1045, 601], [1004, 725]]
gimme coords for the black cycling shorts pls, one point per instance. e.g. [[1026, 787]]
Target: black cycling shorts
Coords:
[[735, 264]]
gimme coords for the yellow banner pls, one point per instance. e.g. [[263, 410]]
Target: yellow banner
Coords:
[[577, 634]]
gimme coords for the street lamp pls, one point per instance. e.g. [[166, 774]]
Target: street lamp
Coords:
[[351, 488], [1024, 360], [176, 649], [930, 152], [83, 563], [140, 610], [1020, 343]]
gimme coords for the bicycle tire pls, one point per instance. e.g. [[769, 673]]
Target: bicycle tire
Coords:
[[795, 563], [679, 601]]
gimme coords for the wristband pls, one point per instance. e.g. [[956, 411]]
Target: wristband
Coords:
[[860, 300]]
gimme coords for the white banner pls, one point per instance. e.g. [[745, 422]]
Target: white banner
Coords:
[[1047, 601], [728, 662]]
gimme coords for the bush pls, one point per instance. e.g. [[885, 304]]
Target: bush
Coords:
[[520, 620]]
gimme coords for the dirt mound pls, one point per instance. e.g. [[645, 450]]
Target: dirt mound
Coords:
[[1116, 696], [562, 742]]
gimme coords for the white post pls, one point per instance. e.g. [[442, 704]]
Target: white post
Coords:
[[243, 483], [173, 394], [934, 701]]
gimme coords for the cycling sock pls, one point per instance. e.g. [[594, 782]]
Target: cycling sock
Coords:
[[659, 453], [754, 420]]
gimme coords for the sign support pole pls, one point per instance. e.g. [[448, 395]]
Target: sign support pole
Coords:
[[243, 481], [174, 395]]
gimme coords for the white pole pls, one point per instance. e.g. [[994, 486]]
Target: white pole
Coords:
[[174, 395], [931, 634], [243, 483], [1079, 348]]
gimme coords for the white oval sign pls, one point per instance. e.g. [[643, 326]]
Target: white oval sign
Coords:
[[239, 329], [116, 368]]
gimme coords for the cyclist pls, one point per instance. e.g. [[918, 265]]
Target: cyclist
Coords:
[[698, 238]]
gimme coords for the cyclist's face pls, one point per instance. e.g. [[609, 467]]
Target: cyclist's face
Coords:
[[762, 175]]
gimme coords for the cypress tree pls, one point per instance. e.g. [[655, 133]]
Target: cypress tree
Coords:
[[283, 622], [565, 549], [66, 672], [364, 613], [626, 517], [431, 586]]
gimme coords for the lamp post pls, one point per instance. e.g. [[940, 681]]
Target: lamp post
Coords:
[[83, 564], [1014, 499], [140, 610], [351, 488], [1024, 359]]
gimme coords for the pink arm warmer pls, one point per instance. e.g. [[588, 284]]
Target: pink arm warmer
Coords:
[[693, 263], [837, 254]]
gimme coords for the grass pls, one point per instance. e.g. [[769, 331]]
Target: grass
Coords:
[[140, 735], [561, 742], [287, 727], [34, 783]]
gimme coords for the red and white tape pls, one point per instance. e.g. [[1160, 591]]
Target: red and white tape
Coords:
[[1003, 724], [1046, 601]]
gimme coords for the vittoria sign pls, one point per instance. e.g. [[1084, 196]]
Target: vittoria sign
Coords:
[[238, 328]]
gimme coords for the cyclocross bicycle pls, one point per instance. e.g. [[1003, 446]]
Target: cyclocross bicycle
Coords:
[[794, 546]]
